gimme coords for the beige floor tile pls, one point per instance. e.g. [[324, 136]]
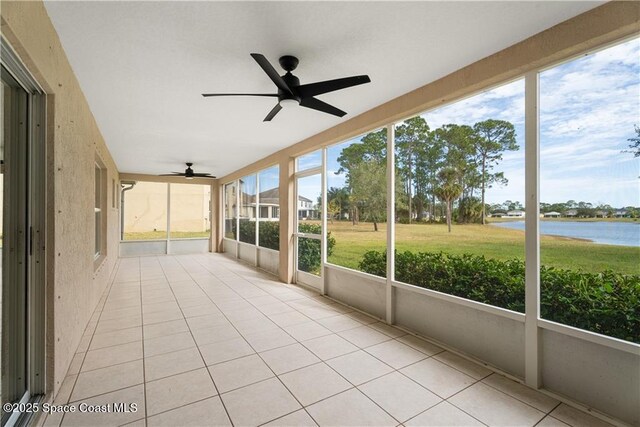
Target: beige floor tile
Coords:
[[275, 308], [167, 344], [119, 323], [259, 403], [289, 318], [165, 328], [549, 421], [158, 307], [178, 390], [200, 310], [576, 418], [173, 363], [225, 350], [53, 420], [252, 326], [76, 363], [495, 408], [162, 316], [395, 354], [439, 378], [129, 396], [521, 392], [266, 340], [339, 323], [120, 312], [208, 412], [464, 365], [206, 321], [443, 415], [349, 408], [64, 393], [364, 336], [330, 346], [389, 330], [289, 358], [297, 419], [362, 318], [239, 373], [104, 380], [213, 334], [359, 367], [114, 355], [399, 396], [314, 383], [420, 345], [122, 336], [307, 331]]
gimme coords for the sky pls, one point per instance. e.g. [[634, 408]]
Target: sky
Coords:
[[588, 109]]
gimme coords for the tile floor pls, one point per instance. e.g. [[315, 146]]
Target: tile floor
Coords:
[[203, 340]]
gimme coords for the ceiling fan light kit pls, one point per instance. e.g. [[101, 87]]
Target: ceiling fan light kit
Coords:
[[291, 92]]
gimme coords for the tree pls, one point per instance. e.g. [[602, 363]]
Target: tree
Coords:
[[410, 139], [491, 139], [372, 148], [635, 143], [339, 197], [369, 190], [448, 190]]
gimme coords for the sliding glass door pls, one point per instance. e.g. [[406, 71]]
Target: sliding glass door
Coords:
[[14, 241]]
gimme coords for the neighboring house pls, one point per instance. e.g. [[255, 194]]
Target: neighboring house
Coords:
[[571, 213], [601, 214], [515, 214], [552, 214], [269, 204], [621, 213], [498, 214]]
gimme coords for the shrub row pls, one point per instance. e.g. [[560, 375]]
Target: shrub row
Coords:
[[308, 249], [607, 303]]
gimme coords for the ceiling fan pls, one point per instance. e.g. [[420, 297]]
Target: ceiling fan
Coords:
[[291, 92], [189, 173]]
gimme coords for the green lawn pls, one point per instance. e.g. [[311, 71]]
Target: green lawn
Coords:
[[162, 234], [492, 242]]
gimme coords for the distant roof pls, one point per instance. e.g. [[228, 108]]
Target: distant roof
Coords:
[[270, 197], [552, 213]]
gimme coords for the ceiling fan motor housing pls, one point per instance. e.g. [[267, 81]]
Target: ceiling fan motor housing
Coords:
[[291, 81]]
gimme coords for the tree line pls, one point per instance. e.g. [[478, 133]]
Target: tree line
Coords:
[[450, 167]]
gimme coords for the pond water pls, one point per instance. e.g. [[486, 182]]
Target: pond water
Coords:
[[603, 232]]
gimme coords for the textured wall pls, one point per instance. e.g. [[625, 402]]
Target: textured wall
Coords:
[[73, 142]]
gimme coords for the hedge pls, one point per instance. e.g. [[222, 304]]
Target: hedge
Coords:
[[607, 303], [308, 249]]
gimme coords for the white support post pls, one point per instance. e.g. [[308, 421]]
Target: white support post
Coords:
[[257, 215], [532, 235], [323, 242], [238, 201], [168, 218], [391, 223]]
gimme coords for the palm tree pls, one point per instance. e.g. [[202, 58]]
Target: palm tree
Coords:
[[448, 190]]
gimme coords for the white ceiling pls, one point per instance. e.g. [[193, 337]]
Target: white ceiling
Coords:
[[143, 65]]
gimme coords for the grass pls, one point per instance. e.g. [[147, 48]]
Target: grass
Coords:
[[162, 235], [492, 242]]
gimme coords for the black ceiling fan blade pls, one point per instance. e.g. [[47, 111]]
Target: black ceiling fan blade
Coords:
[[239, 94], [203, 175], [318, 88], [272, 113], [271, 72], [316, 104], [172, 174]]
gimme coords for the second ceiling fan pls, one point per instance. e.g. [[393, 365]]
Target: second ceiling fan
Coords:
[[290, 91]]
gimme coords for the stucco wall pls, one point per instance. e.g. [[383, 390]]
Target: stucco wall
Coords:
[[73, 285]]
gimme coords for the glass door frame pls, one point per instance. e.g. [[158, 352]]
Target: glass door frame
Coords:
[[36, 236], [302, 277]]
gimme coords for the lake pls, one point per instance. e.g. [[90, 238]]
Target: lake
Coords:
[[603, 232]]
